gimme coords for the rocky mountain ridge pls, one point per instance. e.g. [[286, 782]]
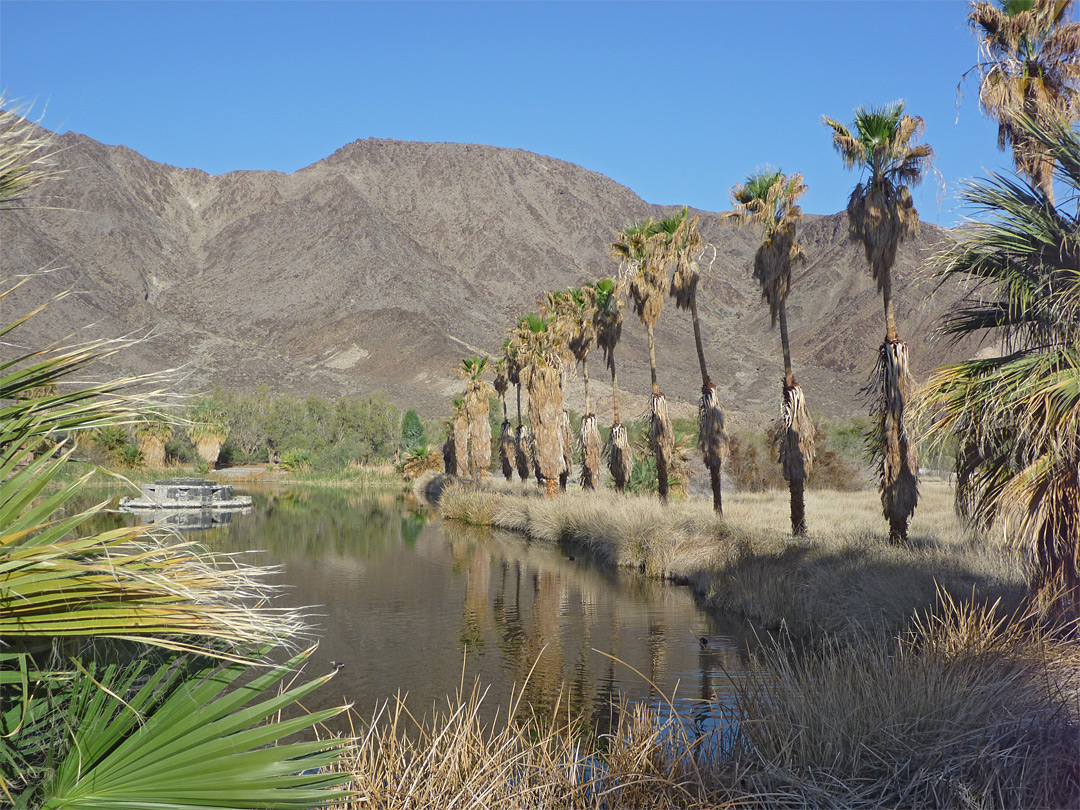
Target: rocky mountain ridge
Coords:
[[382, 265]]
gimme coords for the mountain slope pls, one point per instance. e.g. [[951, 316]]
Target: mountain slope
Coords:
[[380, 266]]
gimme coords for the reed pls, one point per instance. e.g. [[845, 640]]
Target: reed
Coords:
[[971, 708], [453, 758]]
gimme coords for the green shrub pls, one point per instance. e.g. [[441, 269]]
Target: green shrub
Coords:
[[412, 431], [296, 459]]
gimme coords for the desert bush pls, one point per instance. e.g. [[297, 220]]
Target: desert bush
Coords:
[[296, 459]]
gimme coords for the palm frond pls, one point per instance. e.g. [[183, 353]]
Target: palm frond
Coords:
[[192, 740]]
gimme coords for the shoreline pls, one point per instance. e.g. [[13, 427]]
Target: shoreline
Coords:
[[843, 581]]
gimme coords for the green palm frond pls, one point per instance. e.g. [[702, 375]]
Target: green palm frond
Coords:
[[880, 139], [123, 583], [1017, 416], [171, 738], [37, 399]]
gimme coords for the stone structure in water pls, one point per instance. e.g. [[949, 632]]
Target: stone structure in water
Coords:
[[187, 504], [186, 493]]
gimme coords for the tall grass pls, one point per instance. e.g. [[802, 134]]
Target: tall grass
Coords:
[[451, 758], [968, 709]]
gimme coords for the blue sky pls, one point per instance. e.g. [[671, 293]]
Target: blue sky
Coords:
[[678, 101]]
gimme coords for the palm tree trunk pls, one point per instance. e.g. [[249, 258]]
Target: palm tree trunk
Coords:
[[797, 439], [521, 459], [585, 377], [567, 435], [590, 452], [614, 391], [789, 376], [507, 447], [661, 432], [891, 335], [798, 507], [713, 440], [697, 342], [662, 442], [652, 361], [899, 452], [712, 437]]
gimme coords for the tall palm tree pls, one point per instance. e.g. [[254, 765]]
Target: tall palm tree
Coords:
[[610, 294], [507, 448], [558, 308], [522, 439], [207, 429], [542, 370], [151, 435], [1029, 66], [1017, 416], [881, 214], [581, 343], [683, 243], [477, 411], [768, 198], [640, 248]]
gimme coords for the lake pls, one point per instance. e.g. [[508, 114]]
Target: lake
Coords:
[[406, 603]]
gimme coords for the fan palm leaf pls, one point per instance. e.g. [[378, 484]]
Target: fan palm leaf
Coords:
[[191, 740], [1017, 415], [1029, 68]]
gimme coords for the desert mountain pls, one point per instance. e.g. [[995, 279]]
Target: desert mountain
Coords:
[[382, 265]]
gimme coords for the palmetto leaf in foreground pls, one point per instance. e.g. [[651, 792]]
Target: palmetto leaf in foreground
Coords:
[[187, 740], [1018, 415]]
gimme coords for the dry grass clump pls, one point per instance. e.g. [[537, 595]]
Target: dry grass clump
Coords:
[[967, 710], [453, 759], [846, 578]]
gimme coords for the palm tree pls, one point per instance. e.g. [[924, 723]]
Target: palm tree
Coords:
[[558, 307], [477, 411], [207, 429], [1017, 416], [608, 321], [641, 249], [769, 198], [151, 435], [1029, 67], [581, 342], [683, 242], [507, 447], [881, 214], [542, 370]]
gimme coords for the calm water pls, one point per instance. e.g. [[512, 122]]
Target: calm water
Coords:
[[408, 604]]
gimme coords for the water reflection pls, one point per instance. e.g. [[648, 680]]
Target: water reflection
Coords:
[[412, 605], [188, 520]]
